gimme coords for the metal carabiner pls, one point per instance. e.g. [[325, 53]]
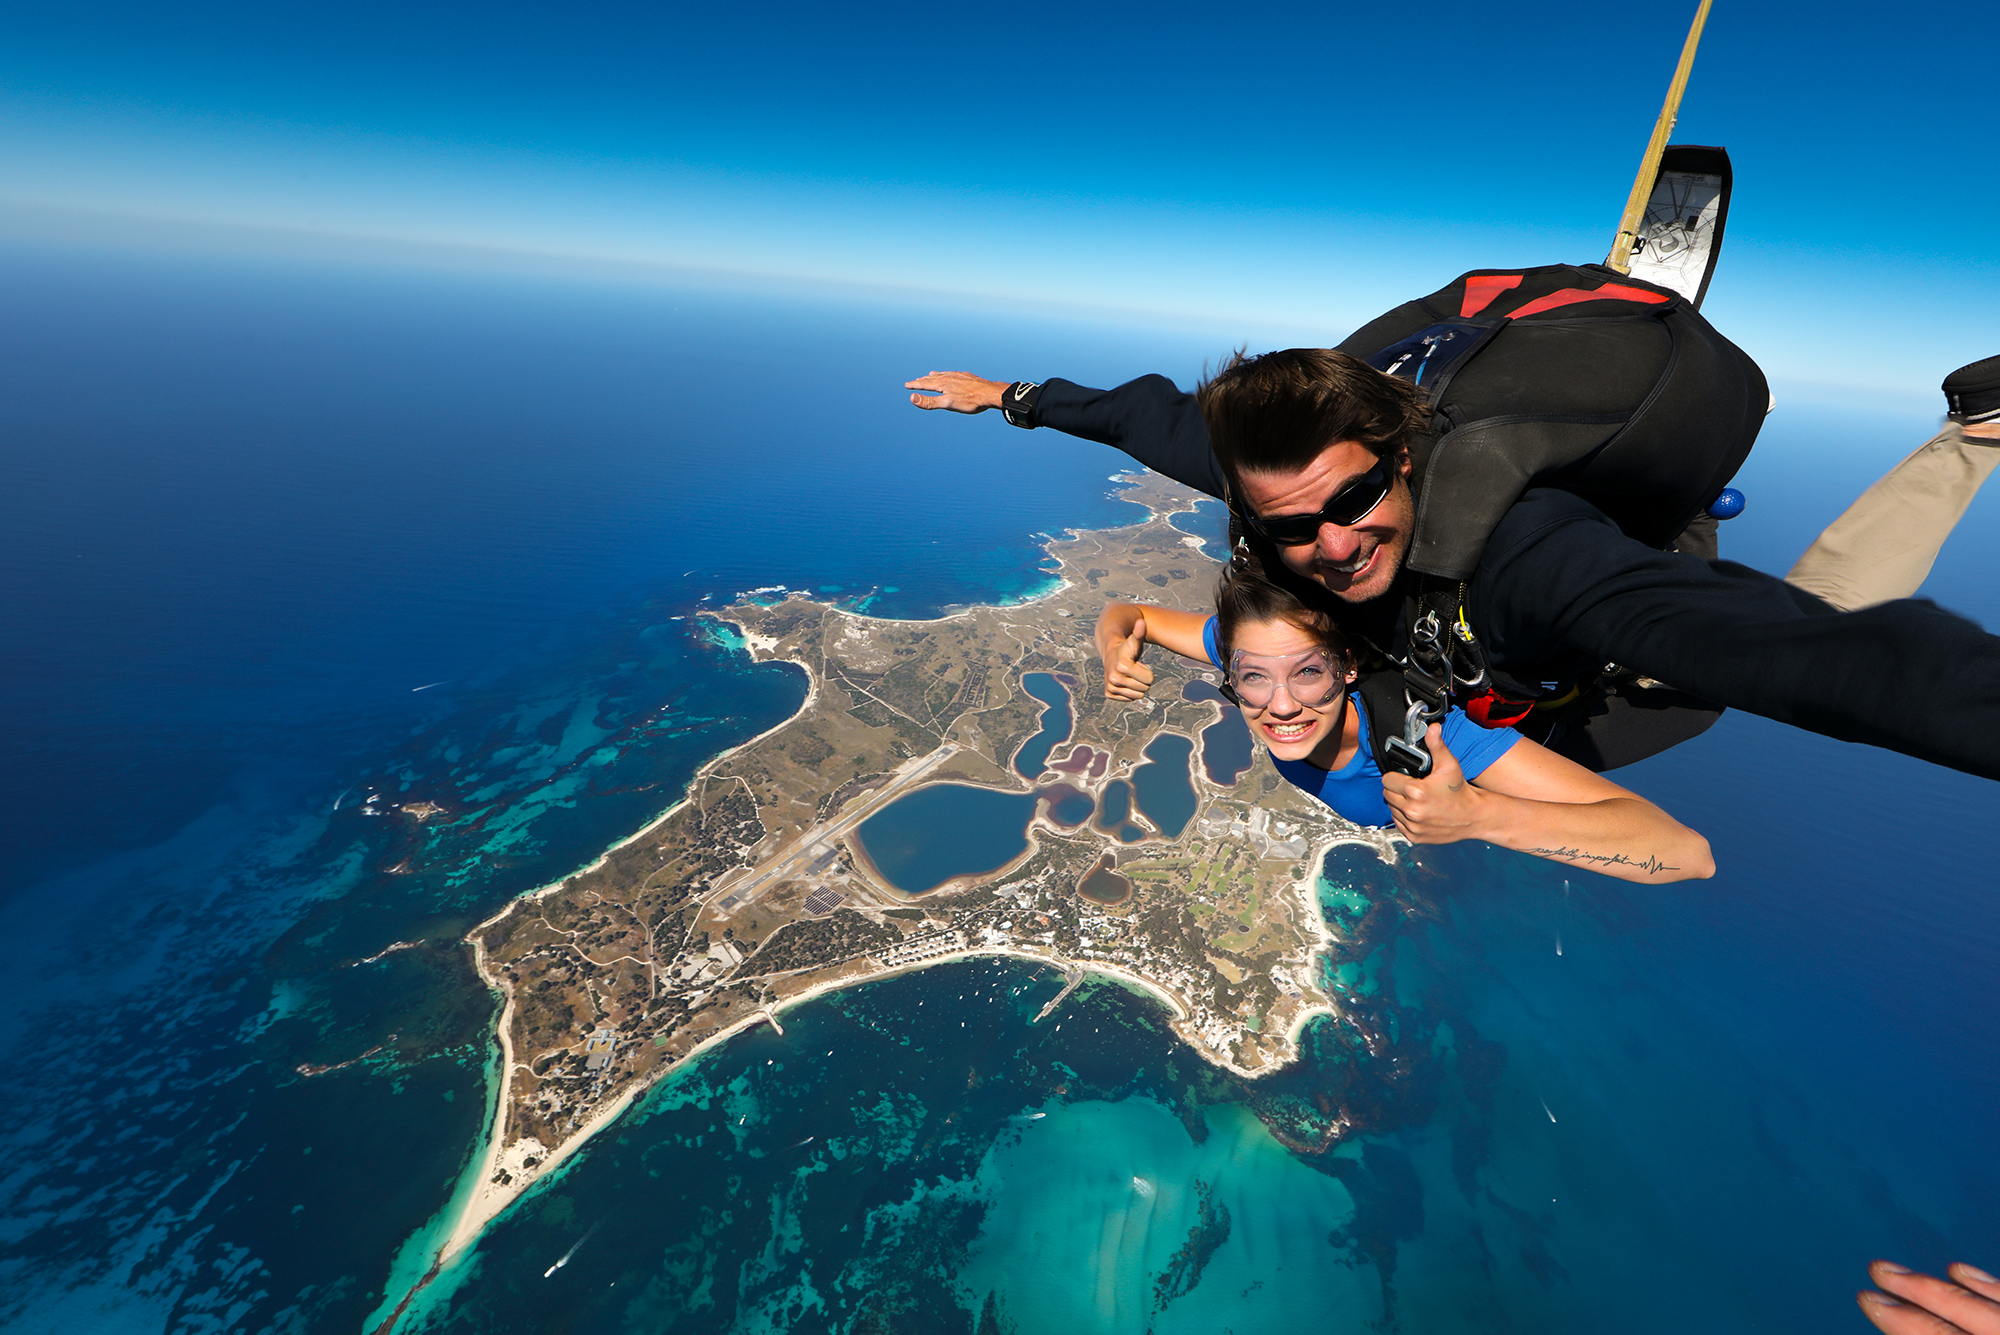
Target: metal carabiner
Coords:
[[1408, 753], [1469, 643]]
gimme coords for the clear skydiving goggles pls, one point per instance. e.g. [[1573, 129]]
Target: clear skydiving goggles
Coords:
[[1313, 679]]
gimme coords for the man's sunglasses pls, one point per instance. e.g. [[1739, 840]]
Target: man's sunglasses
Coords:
[[1350, 505]]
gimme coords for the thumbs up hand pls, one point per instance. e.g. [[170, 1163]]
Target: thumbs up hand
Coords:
[[1119, 645], [1441, 807]]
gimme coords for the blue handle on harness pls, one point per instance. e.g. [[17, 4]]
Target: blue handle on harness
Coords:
[[1728, 505]]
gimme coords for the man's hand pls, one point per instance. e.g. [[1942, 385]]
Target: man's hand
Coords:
[[1921, 1305], [1441, 807], [1121, 637], [957, 391]]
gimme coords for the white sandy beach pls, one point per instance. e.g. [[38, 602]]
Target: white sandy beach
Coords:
[[489, 1199]]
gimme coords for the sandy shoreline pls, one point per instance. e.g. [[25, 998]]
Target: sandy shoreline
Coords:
[[487, 1200], [1308, 888], [490, 1199]]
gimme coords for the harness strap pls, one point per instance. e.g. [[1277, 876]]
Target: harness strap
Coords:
[[1383, 693], [1444, 658]]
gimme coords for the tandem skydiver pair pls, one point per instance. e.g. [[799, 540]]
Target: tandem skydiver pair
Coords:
[[1540, 555], [1289, 669]]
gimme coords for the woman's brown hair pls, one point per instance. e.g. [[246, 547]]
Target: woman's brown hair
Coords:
[[1246, 596]]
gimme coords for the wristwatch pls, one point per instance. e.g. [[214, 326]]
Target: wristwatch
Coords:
[[1017, 403]]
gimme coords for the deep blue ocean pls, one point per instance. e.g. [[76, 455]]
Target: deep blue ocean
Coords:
[[282, 536]]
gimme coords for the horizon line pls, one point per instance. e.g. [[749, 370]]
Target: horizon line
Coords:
[[185, 234], [81, 229]]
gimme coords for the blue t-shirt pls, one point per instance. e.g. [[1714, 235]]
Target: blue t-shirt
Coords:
[[1355, 790]]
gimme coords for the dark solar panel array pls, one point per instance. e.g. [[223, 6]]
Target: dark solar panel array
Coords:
[[824, 901]]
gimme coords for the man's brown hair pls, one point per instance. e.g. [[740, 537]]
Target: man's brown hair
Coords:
[[1275, 412]]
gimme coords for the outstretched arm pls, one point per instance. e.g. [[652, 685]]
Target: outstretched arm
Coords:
[[957, 391], [1123, 631], [1150, 418], [1534, 801]]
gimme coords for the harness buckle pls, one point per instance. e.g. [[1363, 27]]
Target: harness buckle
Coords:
[[1428, 696], [1407, 754], [1438, 663]]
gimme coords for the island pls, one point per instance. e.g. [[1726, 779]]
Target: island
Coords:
[[949, 788]]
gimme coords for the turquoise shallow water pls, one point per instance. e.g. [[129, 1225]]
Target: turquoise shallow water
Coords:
[[1111, 1217], [1510, 1110], [283, 536], [253, 508], [1066, 1175]]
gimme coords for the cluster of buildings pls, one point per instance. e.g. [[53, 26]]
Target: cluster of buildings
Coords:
[[923, 946]]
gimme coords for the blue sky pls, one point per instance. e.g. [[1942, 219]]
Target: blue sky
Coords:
[[1278, 177]]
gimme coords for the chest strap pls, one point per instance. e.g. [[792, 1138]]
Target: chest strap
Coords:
[[1383, 695], [1443, 658]]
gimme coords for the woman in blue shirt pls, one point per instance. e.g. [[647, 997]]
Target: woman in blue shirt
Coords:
[[1289, 669]]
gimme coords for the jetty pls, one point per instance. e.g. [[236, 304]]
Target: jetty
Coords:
[[1072, 979]]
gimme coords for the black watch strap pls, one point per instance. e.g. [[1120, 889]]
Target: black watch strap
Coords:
[[1017, 403]]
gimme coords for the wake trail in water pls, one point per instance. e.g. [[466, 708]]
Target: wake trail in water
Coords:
[[1559, 917], [572, 1249]]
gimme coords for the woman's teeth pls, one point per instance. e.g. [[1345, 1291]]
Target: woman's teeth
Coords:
[[1288, 732]]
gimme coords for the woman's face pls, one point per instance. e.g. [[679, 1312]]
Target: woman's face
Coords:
[[1293, 691]]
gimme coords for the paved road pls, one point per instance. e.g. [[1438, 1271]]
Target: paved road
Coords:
[[786, 861]]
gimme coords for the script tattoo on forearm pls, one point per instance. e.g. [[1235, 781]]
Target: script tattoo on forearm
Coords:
[[1649, 864]]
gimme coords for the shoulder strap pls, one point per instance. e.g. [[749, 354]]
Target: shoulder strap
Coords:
[[1442, 657], [1382, 693]]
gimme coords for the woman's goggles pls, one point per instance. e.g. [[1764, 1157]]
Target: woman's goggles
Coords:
[[1350, 505], [1312, 679]]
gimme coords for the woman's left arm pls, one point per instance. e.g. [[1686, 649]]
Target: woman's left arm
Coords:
[[1535, 801]]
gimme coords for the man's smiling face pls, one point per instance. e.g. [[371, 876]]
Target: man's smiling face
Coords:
[[1354, 562]]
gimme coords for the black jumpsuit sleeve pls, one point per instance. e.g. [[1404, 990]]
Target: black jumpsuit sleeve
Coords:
[[1905, 675], [1150, 419]]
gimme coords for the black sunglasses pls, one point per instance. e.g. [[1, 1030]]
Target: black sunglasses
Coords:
[[1350, 505]]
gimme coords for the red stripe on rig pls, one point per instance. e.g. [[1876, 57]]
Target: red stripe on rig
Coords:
[[1480, 292], [1570, 296], [1490, 709]]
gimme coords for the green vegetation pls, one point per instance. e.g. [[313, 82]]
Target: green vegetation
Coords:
[[888, 692]]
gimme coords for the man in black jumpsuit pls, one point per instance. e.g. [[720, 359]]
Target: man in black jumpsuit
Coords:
[[1560, 591]]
